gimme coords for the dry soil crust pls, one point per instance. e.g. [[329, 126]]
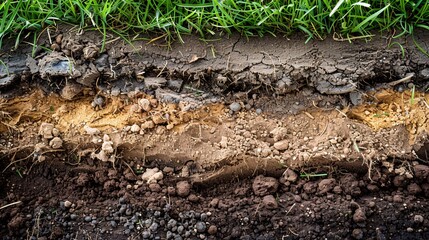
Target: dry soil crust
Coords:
[[185, 131]]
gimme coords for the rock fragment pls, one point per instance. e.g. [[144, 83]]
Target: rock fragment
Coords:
[[46, 130], [235, 106], [56, 143], [91, 131], [281, 145]]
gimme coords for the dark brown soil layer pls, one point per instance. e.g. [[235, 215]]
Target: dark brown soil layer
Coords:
[[95, 201]]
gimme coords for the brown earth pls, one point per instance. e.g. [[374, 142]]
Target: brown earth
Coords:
[[264, 138]]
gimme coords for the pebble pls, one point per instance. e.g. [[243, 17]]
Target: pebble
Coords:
[[418, 218], [288, 176], [200, 227], [153, 227], [88, 218], [67, 204], [73, 216], [146, 235], [281, 145], [98, 102], [235, 106], [113, 223], [135, 128], [46, 130], [144, 104], [171, 223]]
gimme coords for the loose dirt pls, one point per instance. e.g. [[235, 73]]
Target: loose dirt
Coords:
[[237, 139]]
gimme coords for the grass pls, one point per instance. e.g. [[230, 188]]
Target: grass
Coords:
[[318, 19]]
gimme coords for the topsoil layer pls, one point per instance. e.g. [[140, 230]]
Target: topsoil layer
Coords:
[[265, 138]]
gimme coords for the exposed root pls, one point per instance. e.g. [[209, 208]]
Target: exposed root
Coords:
[[10, 204]]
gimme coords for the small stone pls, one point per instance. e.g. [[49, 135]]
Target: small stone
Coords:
[[425, 73], [113, 223], [288, 176], [135, 108], [55, 132], [214, 202], [70, 90], [98, 102], [418, 218], [212, 230], [46, 130], [154, 227], [56, 143], [270, 202], [183, 188], [356, 98], [144, 104], [168, 170], [115, 91], [146, 235], [414, 189], [88, 219], [200, 227], [67, 204], [235, 106], [135, 128], [149, 173], [281, 145], [148, 125], [258, 111], [91, 131]]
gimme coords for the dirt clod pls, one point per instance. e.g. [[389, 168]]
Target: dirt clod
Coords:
[[264, 185], [421, 171], [270, 202], [359, 216], [183, 188]]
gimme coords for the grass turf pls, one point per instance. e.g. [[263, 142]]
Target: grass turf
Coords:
[[345, 19]]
